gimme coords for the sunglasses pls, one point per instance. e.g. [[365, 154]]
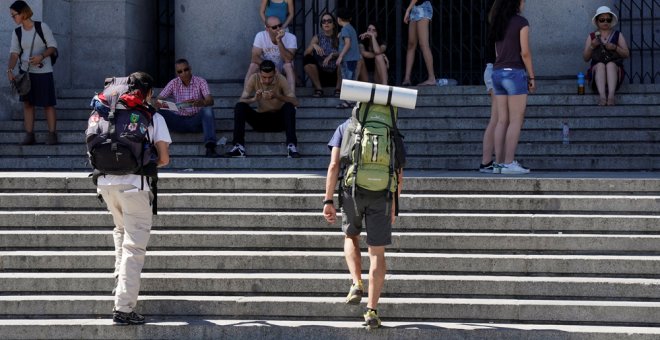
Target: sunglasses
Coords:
[[278, 26], [13, 15], [605, 20], [326, 21], [184, 70]]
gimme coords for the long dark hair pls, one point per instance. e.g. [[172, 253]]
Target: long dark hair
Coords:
[[335, 31], [500, 15], [366, 42]]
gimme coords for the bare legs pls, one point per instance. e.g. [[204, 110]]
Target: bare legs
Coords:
[[606, 78], [511, 113], [418, 32], [313, 73], [489, 134], [377, 268], [380, 74]]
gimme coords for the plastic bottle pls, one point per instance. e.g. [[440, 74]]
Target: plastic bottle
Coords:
[[565, 132], [446, 82], [580, 83]]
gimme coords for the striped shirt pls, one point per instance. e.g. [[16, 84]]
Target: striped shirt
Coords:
[[198, 89]]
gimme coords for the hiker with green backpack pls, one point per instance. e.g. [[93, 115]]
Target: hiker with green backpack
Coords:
[[367, 159]]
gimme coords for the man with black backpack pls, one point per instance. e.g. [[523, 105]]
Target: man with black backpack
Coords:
[[369, 187], [126, 142]]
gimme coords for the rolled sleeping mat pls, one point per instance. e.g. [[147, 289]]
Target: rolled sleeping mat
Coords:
[[360, 91]]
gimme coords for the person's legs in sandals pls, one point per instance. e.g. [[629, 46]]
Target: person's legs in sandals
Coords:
[[410, 52], [600, 79], [612, 71], [423, 40]]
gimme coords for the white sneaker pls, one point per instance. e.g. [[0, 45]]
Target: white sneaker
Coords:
[[514, 168]]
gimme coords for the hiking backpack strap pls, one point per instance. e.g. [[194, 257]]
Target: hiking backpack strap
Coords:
[[358, 145]]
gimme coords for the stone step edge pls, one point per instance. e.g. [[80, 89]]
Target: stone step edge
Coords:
[[182, 327]]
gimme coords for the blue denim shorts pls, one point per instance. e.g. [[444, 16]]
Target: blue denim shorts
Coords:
[[348, 69], [488, 77], [509, 82], [423, 11]]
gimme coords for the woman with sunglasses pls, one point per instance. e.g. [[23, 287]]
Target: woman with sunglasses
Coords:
[[33, 55], [320, 56], [373, 59], [606, 75]]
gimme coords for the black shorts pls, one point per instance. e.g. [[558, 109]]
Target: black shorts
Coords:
[[374, 214], [328, 79]]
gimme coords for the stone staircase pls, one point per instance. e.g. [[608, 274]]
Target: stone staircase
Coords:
[[443, 133], [240, 248]]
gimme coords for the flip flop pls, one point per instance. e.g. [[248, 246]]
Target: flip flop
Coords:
[[344, 105], [318, 93], [426, 84]]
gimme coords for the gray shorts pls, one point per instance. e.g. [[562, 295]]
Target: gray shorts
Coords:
[[373, 208]]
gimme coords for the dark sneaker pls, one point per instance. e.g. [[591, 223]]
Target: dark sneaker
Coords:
[[123, 319], [355, 294], [52, 138], [28, 139], [237, 151], [486, 168], [210, 150], [371, 319], [292, 151]]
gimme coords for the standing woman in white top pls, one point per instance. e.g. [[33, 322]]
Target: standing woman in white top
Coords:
[[38, 64]]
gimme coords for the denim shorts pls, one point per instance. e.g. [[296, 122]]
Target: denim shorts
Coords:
[[488, 77], [509, 82], [348, 69], [423, 11]]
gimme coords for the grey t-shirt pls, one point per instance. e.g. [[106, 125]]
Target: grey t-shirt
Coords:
[[39, 47], [353, 53], [508, 49]]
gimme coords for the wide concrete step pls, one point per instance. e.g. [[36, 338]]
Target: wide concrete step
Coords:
[[314, 307], [409, 126], [429, 101], [336, 285], [333, 261], [461, 222], [552, 148], [205, 328], [317, 163], [541, 243], [470, 182], [319, 138], [305, 202], [564, 112], [543, 87]]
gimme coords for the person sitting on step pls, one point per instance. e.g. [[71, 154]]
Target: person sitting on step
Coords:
[[276, 109]]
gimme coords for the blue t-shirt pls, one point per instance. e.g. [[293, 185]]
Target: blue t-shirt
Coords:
[[335, 141], [353, 53]]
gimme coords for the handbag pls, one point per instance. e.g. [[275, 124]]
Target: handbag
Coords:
[[22, 84], [602, 55]]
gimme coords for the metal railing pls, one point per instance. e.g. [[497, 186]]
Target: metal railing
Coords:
[[457, 34], [638, 20]]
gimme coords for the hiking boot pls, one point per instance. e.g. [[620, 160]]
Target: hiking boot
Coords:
[[355, 294], [28, 139], [123, 319], [514, 168], [237, 151], [486, 168], [371, 319], [210, 150], [292, 151], [52, 138]]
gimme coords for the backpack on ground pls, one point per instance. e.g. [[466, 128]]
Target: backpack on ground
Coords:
[[372, 150], [117, 134], [40, 32]]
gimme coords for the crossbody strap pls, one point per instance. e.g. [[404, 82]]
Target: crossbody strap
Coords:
[[20, 61]]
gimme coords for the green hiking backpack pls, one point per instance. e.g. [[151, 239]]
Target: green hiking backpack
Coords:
[[372, 149]]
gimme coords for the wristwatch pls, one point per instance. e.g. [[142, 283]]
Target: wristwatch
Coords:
[[328, 202]]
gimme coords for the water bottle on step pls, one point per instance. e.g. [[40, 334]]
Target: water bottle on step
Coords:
[[446, 82]]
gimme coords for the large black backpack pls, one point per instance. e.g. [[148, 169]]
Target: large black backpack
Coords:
[[117, 134]]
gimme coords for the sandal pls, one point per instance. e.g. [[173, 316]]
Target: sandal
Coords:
[[318, 94], [344, 105], [611, 102], [337, 93], [602, 102]]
